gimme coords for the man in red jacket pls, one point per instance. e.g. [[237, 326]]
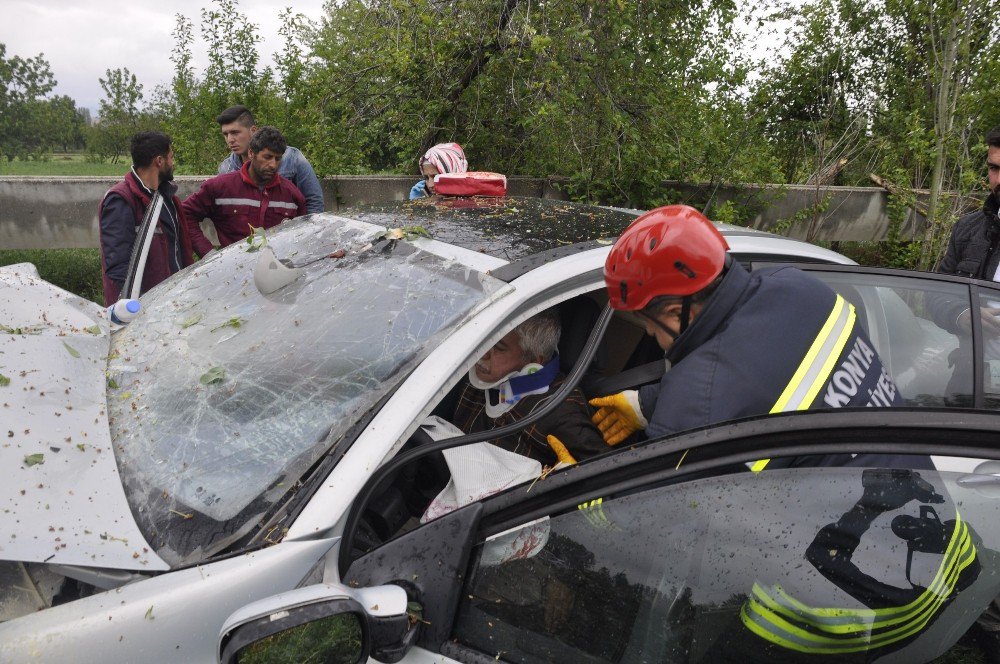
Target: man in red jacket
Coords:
[[254, 196], [123, 207]]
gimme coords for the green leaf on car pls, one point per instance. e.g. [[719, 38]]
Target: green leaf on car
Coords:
[[4, 381], [93, 329], [234, 322], [213, 376], [413, 232], [257, 239], [193, 320], [33, 459], [72, 351]]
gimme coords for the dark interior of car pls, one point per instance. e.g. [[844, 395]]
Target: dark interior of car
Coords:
[[632, 356]]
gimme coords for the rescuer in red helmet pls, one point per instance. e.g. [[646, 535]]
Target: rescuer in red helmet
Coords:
[[737, 344]]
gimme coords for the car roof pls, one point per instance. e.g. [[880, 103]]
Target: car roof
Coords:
[[508, 228], [516, 227]]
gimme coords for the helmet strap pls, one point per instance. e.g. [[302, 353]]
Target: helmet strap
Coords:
[[657, 322], [685, 313]]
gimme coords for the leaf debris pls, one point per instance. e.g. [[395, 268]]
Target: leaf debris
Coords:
[[213, 376]]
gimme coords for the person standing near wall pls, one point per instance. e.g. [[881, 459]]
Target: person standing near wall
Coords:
[[123, 207], [972, 248], [255, 196], [238, 126]]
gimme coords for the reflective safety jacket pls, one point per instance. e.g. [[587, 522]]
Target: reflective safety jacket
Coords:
[[295, 168], [234, 203], [876, 596], [773, 341]]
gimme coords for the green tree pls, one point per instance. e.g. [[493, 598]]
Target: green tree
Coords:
[[613, 96], [120, 114], [234, 75], [66, 123], [24, 83]]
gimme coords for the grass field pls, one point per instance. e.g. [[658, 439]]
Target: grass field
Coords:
[[75, 270], [64, 164]]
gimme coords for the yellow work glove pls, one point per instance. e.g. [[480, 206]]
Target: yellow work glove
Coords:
[[618, 416], [561, 452]]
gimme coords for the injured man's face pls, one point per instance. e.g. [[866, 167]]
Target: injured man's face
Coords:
[[504, 358]]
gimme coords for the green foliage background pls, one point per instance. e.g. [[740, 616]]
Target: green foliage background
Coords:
[[611, 97]]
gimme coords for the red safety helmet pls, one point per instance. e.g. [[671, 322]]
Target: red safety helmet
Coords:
[[672, 250]]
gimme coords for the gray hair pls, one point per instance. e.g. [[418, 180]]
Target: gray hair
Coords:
[[539, 336]]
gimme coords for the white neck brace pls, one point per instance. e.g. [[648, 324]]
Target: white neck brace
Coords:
[[502, 395]]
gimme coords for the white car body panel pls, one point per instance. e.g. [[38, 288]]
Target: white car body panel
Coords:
[[174, 617], [70, 509]]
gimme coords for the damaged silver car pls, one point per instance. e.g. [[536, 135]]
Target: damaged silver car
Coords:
[[178, 489]]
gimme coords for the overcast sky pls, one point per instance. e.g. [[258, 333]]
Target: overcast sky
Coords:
[[82, 39]]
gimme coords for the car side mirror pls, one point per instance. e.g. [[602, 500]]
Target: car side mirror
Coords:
[[324, 623]]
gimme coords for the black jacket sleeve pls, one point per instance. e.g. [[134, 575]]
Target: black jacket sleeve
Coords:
[[117, 237], [571, 424]]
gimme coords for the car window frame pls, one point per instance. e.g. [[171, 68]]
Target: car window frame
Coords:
[[587, 281]]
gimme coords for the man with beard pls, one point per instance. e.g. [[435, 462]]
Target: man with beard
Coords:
[[123, 207], [255, 196], [972, 249], [238, 126], [972, 252]]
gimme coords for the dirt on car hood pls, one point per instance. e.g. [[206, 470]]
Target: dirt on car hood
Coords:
[[61, 497]]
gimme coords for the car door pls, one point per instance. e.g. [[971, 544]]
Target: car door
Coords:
[[912, 318], [672, 551]]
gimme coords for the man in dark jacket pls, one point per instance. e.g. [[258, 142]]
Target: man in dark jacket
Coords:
[[738, 344], [972, 249], [512, 379], [123, 207], [255, 196]]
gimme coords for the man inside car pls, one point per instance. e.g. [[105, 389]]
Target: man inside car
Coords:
[[514, 377]]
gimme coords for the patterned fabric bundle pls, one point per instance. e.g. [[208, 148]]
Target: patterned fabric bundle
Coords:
[[446, 158]]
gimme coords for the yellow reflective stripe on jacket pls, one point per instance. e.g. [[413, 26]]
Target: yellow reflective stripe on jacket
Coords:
[[780, 619], [594, 513], [817, 365]]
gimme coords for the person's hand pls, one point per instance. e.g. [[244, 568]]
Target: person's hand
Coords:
[[561, 452], [989, 316], [618, 416]]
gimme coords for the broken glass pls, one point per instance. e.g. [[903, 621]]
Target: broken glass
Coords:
[[221, 397]]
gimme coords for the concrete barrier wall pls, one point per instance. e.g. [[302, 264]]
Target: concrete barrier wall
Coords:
[[824, 213], [61, 212]]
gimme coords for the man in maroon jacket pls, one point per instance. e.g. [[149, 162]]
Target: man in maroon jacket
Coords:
[[123, 207], [253, 196]]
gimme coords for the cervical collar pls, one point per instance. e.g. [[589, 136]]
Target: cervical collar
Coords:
[[502, 395]]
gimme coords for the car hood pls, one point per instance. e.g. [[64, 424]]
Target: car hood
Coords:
[[61, 500]]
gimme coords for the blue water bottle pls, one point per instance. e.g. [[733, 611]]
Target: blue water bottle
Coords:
[[123, 311]]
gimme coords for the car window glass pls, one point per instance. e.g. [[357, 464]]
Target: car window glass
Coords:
[[911, 322], [220, 397], [861, 562], [989, 310]]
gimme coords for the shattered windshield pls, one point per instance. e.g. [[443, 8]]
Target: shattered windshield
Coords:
[[221, 397]]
